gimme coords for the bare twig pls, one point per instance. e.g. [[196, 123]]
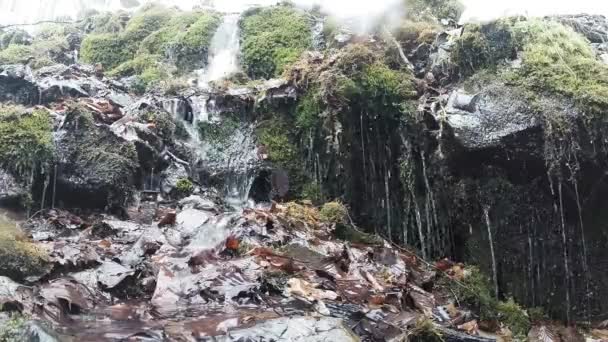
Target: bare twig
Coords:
[[42, 22]]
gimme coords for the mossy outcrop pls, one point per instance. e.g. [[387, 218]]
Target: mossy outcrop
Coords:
[[273, 38], [155, 42], [20, 258], [95, 163]]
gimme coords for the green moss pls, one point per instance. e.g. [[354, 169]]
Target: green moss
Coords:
[[20, 259], [26, 140], [152, 35], [334, 212], [281, 150], [148, 69], [218, 133], [104, 23], [308, 110], [558, 60], [163, 122], [144, 23], [184, 187], [272, 39], [16, 54], [484, 46], [12, 330], [554, 59], [108, 49], [190, 48]]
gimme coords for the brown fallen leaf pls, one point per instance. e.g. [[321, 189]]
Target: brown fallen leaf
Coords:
[[232, 243], [471, 327]]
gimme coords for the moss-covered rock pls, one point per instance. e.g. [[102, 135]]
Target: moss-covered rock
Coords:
[[108, 49], [98, 168], [20, 259], [15, 36], [272, 39], [153, 35], [26, 140]]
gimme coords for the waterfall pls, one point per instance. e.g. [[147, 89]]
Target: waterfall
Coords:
[[223, 52], [236, 156]]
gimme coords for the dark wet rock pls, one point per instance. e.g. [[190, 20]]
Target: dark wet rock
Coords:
[[36, 331], [70, 256], [10, 190], [64, 297], [102, 230], [593, 27], [294, 329], [14, 296], [17, 85], [170, 177], [111, 274], [488, 119]]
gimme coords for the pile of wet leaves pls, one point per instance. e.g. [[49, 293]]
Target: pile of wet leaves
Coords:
[[198, 273]]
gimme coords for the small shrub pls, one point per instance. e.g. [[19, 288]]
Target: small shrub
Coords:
[[513, 316], [334, 212], [184, 187]]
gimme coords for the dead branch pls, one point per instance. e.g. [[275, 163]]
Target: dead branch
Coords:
[[41, 22]]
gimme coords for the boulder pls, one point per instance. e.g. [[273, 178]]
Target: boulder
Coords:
[[17, 85], [295, 329]]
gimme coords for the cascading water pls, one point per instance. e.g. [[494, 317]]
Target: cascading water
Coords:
[[236, 154]]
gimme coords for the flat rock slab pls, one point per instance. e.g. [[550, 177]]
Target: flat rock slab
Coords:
[[307, 329]]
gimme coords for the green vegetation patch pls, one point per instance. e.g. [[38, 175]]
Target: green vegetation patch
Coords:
[[20, 258], [476, 291], [184, 187], [334, 212], [152, 43], [555, 60], [273, 38], [26, 140]]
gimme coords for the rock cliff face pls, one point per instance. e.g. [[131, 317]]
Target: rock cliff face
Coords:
[[482, 144]]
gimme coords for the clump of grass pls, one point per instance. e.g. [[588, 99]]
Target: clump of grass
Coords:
[[334, 212]]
